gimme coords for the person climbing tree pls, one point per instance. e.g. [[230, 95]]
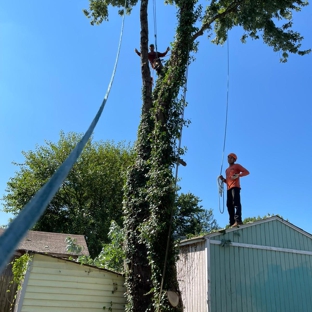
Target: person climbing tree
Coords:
[[154, 57], [233, 203]]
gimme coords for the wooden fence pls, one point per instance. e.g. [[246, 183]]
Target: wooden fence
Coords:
[[7, 298]]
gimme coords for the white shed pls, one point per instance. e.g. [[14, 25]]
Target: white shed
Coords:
[[52, 284]]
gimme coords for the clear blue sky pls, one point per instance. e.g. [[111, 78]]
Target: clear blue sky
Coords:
[[55, 69]]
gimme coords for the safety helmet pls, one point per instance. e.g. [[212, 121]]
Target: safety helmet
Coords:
[[233, 155]]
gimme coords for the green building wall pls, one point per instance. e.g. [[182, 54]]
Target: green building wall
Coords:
[[265, 266]]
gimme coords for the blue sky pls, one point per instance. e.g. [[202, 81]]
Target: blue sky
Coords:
[[55, 69]]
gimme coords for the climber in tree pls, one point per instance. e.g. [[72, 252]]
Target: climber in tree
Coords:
[[153, 57]]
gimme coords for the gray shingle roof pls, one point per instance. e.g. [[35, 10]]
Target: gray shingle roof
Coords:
[[50, 243]]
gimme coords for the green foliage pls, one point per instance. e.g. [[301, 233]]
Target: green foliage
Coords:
[[89, 198], [112, 255], [191, 218], [72, 246], [19, 268], [98, 9], [253, 219], [269, 19]]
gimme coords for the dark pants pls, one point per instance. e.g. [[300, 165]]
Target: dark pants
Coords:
[[234, 205]]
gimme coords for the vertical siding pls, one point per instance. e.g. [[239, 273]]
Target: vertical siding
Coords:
[[191, 269], [251, 280], [56, 285]]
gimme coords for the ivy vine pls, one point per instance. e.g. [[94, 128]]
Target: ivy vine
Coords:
[[19, 268], [150, 190]]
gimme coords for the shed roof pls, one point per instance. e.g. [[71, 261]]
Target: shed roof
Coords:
[[50, 243], [266, 227]]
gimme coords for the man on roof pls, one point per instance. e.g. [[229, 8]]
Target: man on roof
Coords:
[[233, 202], [153, 57]]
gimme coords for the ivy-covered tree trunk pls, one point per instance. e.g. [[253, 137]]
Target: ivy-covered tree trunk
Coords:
[[136, 206], [150, 189]]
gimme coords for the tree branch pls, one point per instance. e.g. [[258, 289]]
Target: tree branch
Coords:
[[231, 8]]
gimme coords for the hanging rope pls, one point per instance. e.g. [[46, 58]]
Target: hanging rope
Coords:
[[33, 210], [220, 183], [155, 25]]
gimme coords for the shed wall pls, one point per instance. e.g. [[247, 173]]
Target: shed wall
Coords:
[[192, 273], [56, 285], [252, 280]]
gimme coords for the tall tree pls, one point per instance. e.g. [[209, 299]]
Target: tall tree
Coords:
[[89, 198], [150, 189]]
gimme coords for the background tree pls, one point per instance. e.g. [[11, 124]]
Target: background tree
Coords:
[[90, 197], [150, 188], [191, 218]]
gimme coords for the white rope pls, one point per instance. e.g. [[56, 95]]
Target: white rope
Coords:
[[220, 183]]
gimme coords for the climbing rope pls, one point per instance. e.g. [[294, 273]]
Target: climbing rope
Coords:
[[176, 180], [155, 25], [220, 183], [33, 210]]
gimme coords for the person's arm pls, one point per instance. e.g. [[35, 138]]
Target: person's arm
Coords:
[[243, 171], [137, 52], [163, 54]]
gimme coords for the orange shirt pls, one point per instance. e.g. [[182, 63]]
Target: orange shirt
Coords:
[[230, 171]]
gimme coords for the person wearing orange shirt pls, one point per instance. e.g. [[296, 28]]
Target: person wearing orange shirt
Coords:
[[233, 203]]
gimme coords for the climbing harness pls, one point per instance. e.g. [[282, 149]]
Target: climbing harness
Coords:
[[219, 181], [32, 211], [157, 65]]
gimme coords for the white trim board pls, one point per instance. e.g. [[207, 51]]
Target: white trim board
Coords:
[[294, 251]]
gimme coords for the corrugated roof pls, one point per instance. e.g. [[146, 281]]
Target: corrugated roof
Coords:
[[50, 243]]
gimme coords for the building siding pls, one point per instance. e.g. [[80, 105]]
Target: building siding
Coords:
[[251, 280], [57, 285], [265, 266], [192, 273]]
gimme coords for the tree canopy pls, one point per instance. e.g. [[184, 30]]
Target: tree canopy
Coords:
[[271, 20], [89, 198]]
